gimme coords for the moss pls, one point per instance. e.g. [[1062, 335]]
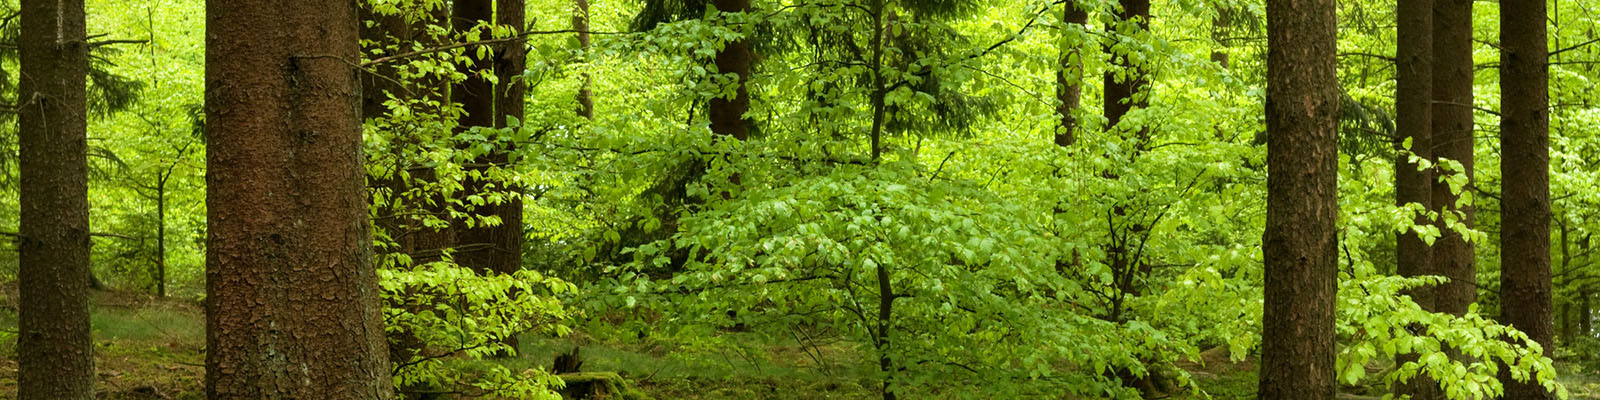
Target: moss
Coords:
[[598, 385]]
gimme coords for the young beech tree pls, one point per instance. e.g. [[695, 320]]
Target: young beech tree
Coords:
[[54, 356], [292, 308], [1525, 180], [1297, 352]]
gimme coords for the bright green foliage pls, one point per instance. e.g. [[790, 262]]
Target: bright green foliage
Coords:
[[443, 320]]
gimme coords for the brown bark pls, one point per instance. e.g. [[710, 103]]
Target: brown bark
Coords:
[[510, 61], [1525, 180], [292, 308], [1127, 93], [580, 23], [1413, 122], [1069, 78], [1585, 314], [727, 115], [1299, 245], [54, 353], [1453, 139]]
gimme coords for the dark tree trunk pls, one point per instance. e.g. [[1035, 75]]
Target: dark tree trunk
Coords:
[[1300, 248], [292, 308], [54, 355], [1453, 139], [1414, 123], [1525, 180], [1127, 93], [1585, 314], [727, 115], [580, 23], [475, 95], [510, 61], [1069, 78]]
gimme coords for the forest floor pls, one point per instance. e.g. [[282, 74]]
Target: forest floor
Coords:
[[149, 349]]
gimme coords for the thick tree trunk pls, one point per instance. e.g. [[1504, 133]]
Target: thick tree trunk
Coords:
[[54, 355], [1414, 123], [1525, 180], [292, 309], [1069, 78], [727, 115], [1299, 245], [510, 61], [580, 23], [1453, 139], [1127, 93]]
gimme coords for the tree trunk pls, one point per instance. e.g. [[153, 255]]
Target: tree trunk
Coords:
[[475, 242], [1299, 244], [1414, 124], [1585, 314], [727, 115], [292, 305], [1453, 139], [510, 61], [580, 23], [54, 353], [1525, 180], [161, 236], [1069, 78], [1125, 94]]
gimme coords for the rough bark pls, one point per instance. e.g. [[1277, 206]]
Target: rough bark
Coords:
[[510, 61], [580, 23], [292, 305], [1302, 201], [1414, 123], [1069, 78], [54, 353], [727, 115], [1453, 140], [1126, 93], [1525, 180]]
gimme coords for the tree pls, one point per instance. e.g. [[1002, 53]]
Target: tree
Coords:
[[292, 306], [1525, 180], [484, 248], [1125, 80], [1297, 352], [54, 355], [1453, 140], [580, 23], [1069, 78], [727, 114], [1413, 123], [1413, 184]]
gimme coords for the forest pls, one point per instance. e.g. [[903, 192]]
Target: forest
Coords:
[[799, 199]]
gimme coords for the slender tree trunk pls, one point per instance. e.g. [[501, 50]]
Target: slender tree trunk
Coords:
[[1585, 314], [475, 95], [1453, 140], [1300, 248], [1069, 78], [727, 115], [1414, 123], [1127, 93], [54, 355], [292, 309], [1525, 180], [1219, 28], [161, 237], [510, 61], [580, 23]]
